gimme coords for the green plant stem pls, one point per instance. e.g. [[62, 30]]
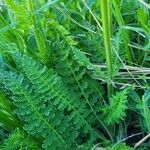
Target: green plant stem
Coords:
[[39, 40], [107, 41], [110, 19]]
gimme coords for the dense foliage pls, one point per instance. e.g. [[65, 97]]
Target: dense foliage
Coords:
[[74, 74]]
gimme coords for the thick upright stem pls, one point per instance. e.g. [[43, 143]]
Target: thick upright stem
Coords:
[[107, 40]]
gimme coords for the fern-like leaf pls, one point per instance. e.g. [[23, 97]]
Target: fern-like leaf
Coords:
[[39, 119], [117, 109], [81, 57], [48, 108]]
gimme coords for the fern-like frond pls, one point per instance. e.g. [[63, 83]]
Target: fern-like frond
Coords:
[[117, 109], [81, 58], [48, 108], [41, 119], [71, 64]]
